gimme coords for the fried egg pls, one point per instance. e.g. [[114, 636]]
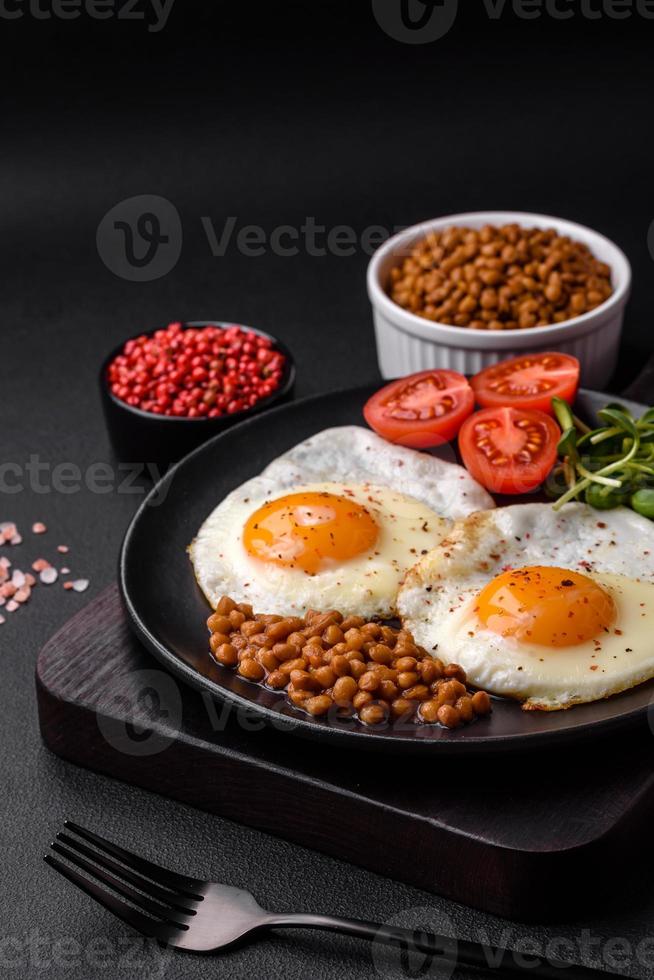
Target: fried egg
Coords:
[[333, 524], [553, 609]]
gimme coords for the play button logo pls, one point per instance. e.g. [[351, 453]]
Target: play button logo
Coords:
[[415, 21]]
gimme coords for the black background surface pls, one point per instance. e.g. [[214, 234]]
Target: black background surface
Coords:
[[272, 113]]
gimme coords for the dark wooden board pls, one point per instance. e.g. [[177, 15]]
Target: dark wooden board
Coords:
[[530, 837]]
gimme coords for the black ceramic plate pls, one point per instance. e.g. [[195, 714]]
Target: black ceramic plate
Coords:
[[168, 611]]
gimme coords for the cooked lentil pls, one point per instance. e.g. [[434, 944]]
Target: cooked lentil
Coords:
[[500, 278], [329, 663]]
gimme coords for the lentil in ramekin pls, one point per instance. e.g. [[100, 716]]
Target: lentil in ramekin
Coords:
[[407, 343], [499, 278]]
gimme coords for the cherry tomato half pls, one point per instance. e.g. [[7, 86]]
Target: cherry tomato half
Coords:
[[509, 450], [423, 410], [528, 382]]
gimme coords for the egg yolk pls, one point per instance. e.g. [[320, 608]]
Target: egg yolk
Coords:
[[311, 531], [551, 607]]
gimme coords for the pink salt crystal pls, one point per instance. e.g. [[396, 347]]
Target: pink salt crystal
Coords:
[[40, 564], [65, 571], [18, 579], [2, 620], [63, 549], [7, 590], [7, 530], [23, 594], [16, 539], [4, 562], [49, 576], [39, 528], [4, 574], [30, 580], [81, 585], [12, 606], [68, 586]]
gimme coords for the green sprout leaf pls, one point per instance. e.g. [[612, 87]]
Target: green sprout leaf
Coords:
[[621, 419]]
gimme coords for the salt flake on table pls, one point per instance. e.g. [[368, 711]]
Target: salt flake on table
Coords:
[[49, 575], [63, 549], [64, 571], [39, 528], [23, 594], [18, 579], [16, 539], [2, 620], [81, 585], [12, 606], [40, 564], [8, 531]]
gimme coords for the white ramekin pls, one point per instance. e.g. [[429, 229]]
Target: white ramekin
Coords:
[[407, 343]]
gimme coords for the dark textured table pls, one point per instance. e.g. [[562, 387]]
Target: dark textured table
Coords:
[[273, 117]]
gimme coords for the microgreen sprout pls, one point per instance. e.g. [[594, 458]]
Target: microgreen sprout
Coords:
[[610, 465]]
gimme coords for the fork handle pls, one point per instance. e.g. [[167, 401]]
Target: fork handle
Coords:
[[450, 951]]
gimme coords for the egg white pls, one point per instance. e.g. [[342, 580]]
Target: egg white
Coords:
[[614, 548], [366, 585], [427, 488], [351, 454]]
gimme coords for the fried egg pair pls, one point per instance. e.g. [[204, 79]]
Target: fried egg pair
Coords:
[[552, 608], [333, 524]]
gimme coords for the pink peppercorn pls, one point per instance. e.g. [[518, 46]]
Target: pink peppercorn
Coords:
[[196, 372]]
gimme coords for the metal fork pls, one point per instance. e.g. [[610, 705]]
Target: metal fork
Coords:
[[206, 917]]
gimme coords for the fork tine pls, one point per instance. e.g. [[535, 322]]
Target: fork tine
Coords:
[[190, 887], [179, 902], [142, 901], [148, 927]]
